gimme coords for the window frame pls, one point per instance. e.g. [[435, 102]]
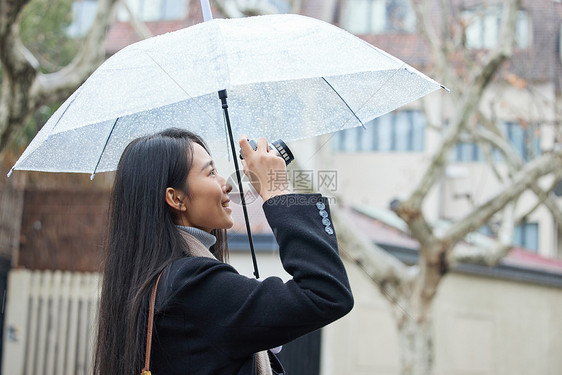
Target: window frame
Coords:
[[381, 134], [494, 12], [522, 229], [509, 133], [372, 26]]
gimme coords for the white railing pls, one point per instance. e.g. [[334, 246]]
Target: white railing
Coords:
[[50, 322]]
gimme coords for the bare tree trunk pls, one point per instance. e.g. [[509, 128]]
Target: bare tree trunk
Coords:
[[414, 317], [415, 339]]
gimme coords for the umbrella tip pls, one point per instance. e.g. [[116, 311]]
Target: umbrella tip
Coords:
[[92, 176], [444, 88], [10, 172]]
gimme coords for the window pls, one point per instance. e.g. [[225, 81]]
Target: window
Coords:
[[83, 15], [558, 189], [378, 17], [484, 25], [524, 139], [466, 151], [527, 235], [396, 131], [282, 6], [154, 10]]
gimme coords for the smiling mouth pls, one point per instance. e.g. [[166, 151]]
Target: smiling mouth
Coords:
[[225, 203]]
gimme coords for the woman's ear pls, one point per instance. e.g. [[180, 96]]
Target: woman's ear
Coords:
[[174, 199]]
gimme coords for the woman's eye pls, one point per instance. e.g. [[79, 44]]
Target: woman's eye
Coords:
[[213, 171]]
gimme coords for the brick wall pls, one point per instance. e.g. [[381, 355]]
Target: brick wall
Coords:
[[11, 201], [63, 229]]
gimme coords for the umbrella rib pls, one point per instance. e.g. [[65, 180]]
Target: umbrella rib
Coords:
[[367, 101], [63, 112], [180, 86], [372, 96], [347, 105], [104, 146]]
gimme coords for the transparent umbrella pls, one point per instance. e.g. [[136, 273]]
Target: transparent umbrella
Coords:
[[286, 76], [279, 76]]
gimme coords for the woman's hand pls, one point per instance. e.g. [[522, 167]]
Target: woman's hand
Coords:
[[266, 170]]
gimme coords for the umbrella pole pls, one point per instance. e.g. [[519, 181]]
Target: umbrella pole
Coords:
[[223, 96], [206, 9]]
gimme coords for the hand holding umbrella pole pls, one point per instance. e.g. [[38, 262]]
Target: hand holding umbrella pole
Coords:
[[280, 148]]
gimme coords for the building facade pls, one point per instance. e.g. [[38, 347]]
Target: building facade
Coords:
[[523, 101]]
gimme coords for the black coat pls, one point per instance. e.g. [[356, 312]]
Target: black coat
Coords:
[[211, 320]]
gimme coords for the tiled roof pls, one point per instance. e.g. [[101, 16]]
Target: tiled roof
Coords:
[[522, 258], [385, 235]]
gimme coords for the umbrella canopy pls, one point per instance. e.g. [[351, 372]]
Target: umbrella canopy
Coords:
[[287, 76]]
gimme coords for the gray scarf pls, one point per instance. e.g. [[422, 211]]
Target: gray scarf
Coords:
[[195, 238]]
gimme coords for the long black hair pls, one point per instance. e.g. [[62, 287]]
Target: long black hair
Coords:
[[142, 240]]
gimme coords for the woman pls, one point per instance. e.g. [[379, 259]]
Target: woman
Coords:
[[169, 213]]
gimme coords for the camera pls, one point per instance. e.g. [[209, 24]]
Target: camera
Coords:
[[281, 149]]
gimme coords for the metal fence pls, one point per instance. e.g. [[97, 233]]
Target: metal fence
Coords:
[[49, 322]]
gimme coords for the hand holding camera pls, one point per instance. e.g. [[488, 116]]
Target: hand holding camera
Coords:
[[266, 166]]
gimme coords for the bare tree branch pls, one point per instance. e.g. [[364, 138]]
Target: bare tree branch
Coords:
[[546, 197], [59, 85], [469, 100], [228, 8], [487, 251], [378, 265], [516, 163], [494, 250], [420, 229], [531, 172], [489, 155], [241, 8], [140, 28], [424, 26], [296, 6], [505, 47], [24, 88]]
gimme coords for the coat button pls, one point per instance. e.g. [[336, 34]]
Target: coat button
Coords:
[[326, 221], [329, 230], [323, 213], [320, 205]]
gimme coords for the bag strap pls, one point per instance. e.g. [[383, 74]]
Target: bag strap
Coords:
[[145, 370]]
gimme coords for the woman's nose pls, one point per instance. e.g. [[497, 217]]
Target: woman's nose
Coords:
[[226, 187]]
